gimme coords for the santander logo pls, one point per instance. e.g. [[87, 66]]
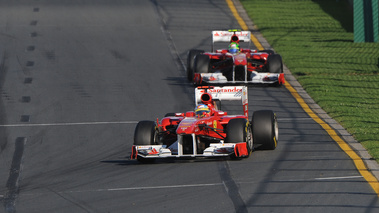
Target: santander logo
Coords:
[[226, 33], [225, 90]]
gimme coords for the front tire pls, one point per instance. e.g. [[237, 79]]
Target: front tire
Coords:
[[274, 64], [239, 130], [145, 134], [202, 63], [265, 129], [190, 62]]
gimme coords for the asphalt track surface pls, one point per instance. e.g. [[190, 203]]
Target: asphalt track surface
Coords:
[[76, 76]]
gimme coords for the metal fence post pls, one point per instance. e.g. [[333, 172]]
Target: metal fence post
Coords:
[[366, 21]]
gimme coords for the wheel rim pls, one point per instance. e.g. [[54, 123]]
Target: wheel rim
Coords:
[[276, 130], [249, 139]]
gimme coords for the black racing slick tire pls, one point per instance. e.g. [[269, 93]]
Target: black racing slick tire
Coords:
[[145, 134], [190, 62], [274, 63], [265, 129], [202, 63], [239, 130]]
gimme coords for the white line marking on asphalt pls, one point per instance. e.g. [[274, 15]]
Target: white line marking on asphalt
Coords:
[[191, 185], [148, 187], [69, 124], [131, 188], [183, 186], [336, 178]]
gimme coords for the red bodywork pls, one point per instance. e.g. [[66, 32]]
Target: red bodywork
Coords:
[[187, 123], [237, 66], [193, 125], [254, 60], [185, 134]]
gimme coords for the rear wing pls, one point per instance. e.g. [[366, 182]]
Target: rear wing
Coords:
[[225, 36], [229, 93]]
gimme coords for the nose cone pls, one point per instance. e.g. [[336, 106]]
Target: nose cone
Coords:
[[240, 60], [187, 126]]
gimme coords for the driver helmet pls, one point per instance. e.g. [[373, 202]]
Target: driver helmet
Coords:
[[202, 111], [234, 47]]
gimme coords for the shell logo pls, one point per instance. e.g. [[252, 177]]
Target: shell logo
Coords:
[[214, 124]]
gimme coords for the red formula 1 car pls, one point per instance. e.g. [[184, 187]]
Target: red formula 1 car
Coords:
[[235, 64], [207, 131]]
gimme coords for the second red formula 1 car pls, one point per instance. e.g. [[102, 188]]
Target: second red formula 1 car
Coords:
[[207, 131], [235, 64]]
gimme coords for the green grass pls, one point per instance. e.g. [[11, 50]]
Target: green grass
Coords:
[[316, 41]]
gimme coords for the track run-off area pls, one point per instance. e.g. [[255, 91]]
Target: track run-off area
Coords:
[[359, 163]]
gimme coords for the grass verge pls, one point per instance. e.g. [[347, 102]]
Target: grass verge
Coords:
[[316, 41]]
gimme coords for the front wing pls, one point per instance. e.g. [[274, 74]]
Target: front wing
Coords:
[[255, 78], [214, 150]]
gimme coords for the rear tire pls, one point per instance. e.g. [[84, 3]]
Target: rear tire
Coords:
[[274, 64], [239, 130], [265, 129], [190, 63], [145, 134]]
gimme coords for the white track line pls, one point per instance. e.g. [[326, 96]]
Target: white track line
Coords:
[[131, 188], [150, 187], [181, 186], [190, 185], [336, 178], [69, 124]]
